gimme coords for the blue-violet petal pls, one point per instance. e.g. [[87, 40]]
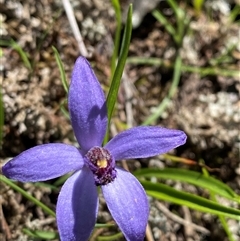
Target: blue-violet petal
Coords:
[[128, 204], [144, 141], [87, 106], [43, 162], [77, 207]]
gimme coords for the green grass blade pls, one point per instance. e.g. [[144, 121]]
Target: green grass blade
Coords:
[[61, 69], [63, 109], [192, 177], [203, 71], [217, 71], [234, 13], [110, 238], [163, 105], [61, 180], [163, 20], [149, 61], [104, 225], [179, 13], [198, 5], [117, 37], [113, 91], [163, 192], [27, 195], [43, 184], [45, 235], [11, 43], [226, 228], [1, 117], [221, 217]]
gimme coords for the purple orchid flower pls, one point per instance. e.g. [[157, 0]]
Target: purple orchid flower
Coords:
[[93, 165]]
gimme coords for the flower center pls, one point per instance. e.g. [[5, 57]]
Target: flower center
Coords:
[[101, 163]]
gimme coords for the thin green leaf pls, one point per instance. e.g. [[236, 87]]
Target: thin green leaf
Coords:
[[149, 61], [112, 95], [234, 13], [221, 217], [11, 43], [104, 225], [110, 238], [179, 13], [47, 235], [226, 228], [182, 22], [198, 4], [163, 20], [217, 71], [27, 195], [113, 91], [192, 177], [63, 109], [169, 194], [61, 180], [61, 69], [117, 37], [163, 105], [1, 118], [43, 184], [203, 71]]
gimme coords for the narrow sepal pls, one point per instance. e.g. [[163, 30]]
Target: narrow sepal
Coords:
[[128, 204], [87, 106], [43, 162], [77, 207], [144, 141]]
